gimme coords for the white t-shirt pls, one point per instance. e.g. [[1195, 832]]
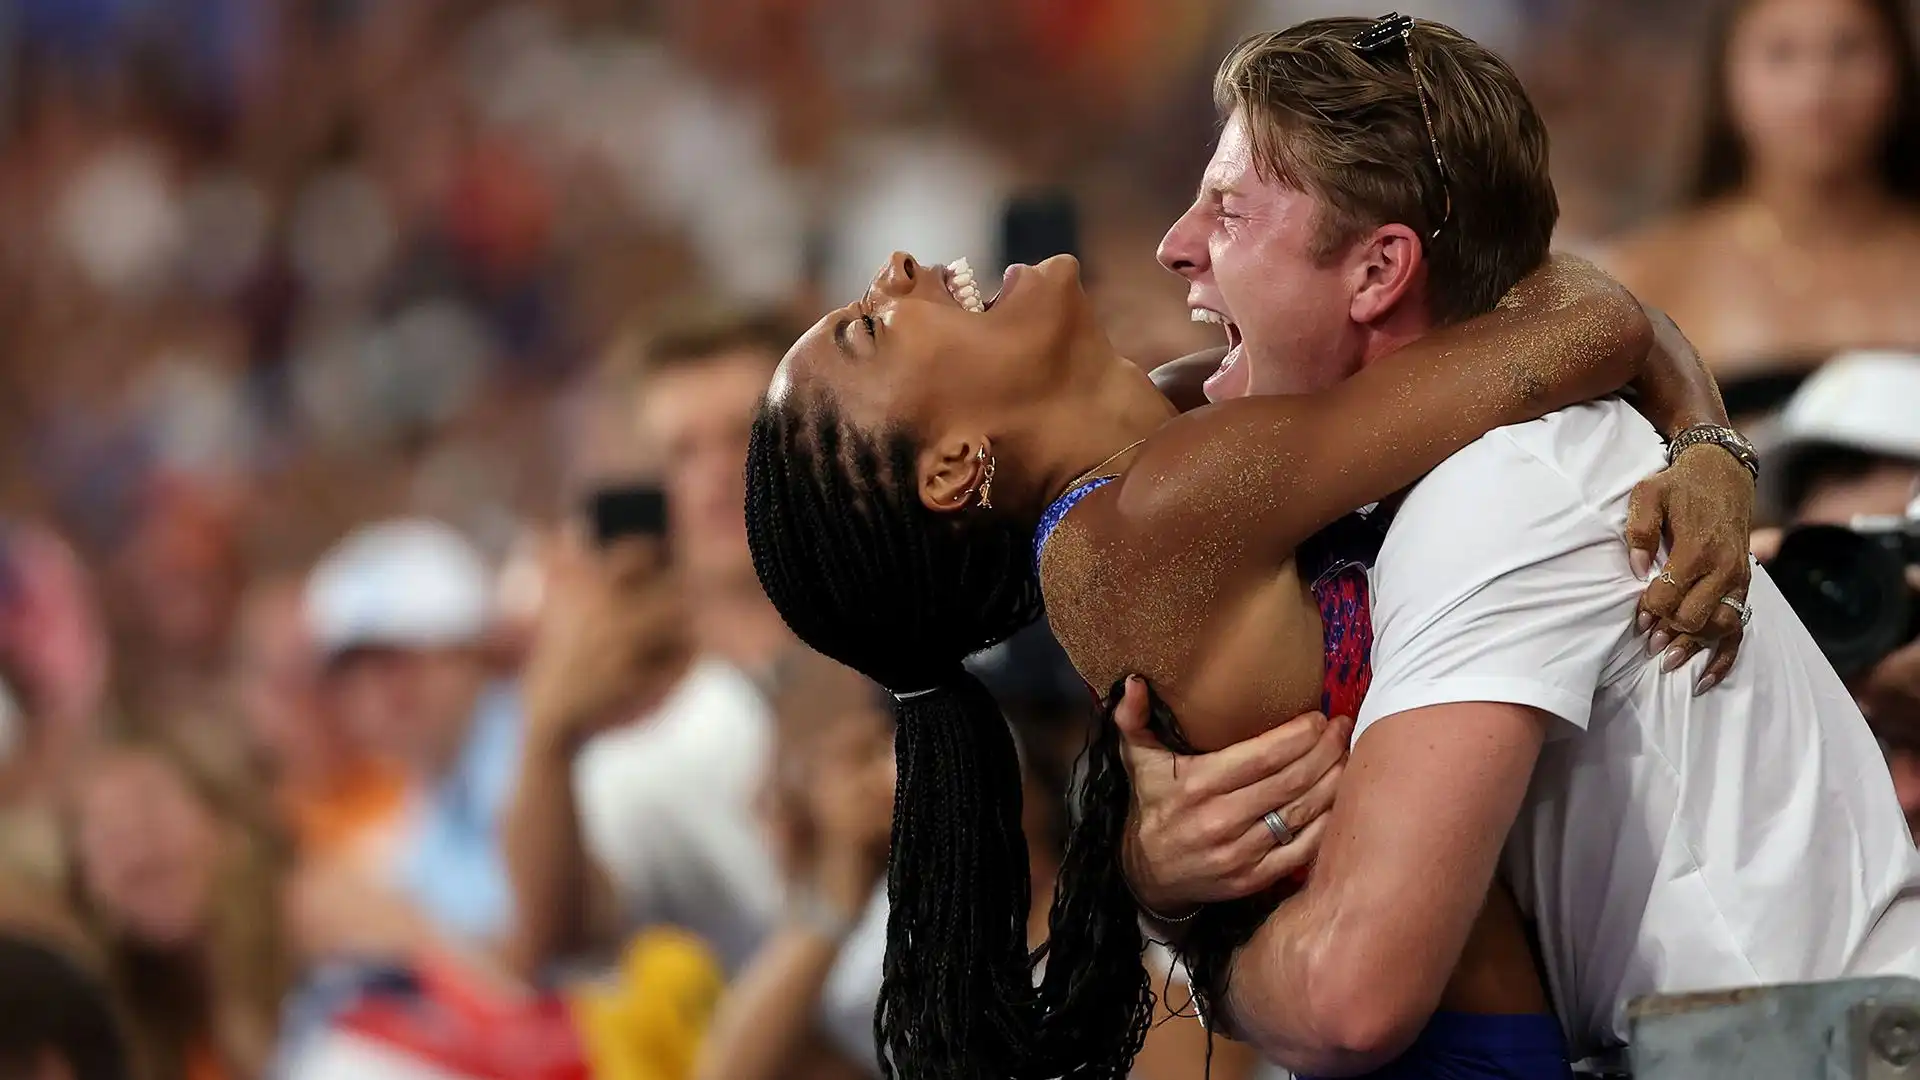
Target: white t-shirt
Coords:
[[1668, 843], [667, 809]]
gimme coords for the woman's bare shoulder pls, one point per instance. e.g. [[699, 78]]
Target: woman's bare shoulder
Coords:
[[1123, 593]]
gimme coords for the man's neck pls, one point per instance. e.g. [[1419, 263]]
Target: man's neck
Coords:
[[1392, 334], [1384, 339]]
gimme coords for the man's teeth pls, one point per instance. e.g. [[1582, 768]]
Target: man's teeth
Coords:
[[961, 285], [1217, 319]]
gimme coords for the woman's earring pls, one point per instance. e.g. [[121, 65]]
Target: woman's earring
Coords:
[[986, 481]]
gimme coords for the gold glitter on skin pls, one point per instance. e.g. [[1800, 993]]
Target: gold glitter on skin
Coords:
[[1183, 571]]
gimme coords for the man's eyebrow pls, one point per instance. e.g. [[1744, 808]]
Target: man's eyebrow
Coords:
[[1215, 190]]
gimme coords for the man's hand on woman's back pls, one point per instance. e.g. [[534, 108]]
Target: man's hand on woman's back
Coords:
[[1195, 833]]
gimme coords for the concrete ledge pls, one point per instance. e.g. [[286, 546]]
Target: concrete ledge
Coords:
[[1857, 1029]]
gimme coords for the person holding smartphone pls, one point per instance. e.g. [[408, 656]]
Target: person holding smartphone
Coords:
[[649, 729]]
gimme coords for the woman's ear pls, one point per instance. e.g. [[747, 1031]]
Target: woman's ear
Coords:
[[951, 472]]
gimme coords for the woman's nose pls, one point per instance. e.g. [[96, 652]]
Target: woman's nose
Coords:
[[898, 276]]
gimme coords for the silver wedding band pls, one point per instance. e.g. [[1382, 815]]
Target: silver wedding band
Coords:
[[1277, 825], [1746, 613]]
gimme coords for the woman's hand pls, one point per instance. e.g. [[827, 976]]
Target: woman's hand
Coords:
[[1195, 833], [1704, 502]]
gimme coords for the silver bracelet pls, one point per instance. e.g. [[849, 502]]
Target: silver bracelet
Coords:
[[1152, 914], [1718, 435]]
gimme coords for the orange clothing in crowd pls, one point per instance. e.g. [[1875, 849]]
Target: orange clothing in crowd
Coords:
[[204, 1064], [347, 812]]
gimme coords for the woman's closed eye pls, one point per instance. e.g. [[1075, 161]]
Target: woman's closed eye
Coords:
[[868, 322]]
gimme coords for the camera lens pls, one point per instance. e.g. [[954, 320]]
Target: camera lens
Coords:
[[1848, 589]]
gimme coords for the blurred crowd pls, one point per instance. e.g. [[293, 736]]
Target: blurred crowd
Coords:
[[384, 682]]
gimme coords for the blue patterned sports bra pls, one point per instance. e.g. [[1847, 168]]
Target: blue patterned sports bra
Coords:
[[1340, 590]]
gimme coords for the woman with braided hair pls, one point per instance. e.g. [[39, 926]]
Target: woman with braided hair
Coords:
[[914, 454]]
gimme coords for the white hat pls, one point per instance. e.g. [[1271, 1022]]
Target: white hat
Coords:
[[1866, 401], [408, 583]]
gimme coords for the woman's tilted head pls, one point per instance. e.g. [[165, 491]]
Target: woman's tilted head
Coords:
[[881, 524], [956, 376], [886, 537]]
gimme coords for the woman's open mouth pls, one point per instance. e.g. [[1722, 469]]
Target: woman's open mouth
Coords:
[[960, 283]]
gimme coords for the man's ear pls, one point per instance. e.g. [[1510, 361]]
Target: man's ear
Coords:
[[1387, 266], [952, 469]]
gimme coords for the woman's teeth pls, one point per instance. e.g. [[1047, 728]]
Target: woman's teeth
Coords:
[[960, 284]]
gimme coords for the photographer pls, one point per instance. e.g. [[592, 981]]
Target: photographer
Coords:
[[1849, 477]]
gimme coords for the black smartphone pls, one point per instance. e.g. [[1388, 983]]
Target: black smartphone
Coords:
[[1039, 225], [620, 511]]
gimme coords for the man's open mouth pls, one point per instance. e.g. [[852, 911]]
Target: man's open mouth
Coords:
[[1232, 378], [1208, 315]]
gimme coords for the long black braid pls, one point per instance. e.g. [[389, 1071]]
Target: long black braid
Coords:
[[1208, 940], [865, 574]]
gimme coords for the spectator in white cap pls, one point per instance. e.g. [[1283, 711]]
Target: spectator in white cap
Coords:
[[1849, 449], [400, 610], [1849, 440]]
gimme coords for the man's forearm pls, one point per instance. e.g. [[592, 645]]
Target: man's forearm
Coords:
[[546, 861], [1272, 992], [1345, 973]]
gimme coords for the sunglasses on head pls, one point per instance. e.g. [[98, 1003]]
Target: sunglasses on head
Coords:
[[1382, 34]]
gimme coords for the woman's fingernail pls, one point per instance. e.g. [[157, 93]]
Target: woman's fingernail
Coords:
[[1706, 683], [1674, 658], [1658, 641], [1645, 622]]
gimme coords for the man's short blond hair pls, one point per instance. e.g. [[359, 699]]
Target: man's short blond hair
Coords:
[[1345, 126]]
